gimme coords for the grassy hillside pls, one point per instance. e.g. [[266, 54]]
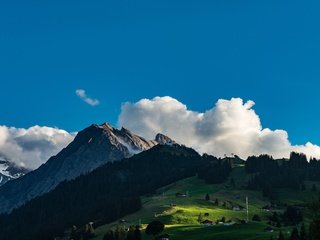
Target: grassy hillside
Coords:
[[180, 214]]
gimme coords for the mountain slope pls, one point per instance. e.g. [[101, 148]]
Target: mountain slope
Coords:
[[181, 214], [92, 147], [181, 220], [103, 195]]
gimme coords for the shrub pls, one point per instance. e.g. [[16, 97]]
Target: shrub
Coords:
[[256, 218]]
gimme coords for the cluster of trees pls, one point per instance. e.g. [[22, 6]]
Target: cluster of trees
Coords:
[[314, 227], [214, 170], [291, 216], [120, 233], [256, 218], [104, 195], [295, 234], [275, 220], [155, 228], [269, 173], [84, 234]]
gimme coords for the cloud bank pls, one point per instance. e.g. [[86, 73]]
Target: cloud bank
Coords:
[[230, 127], [29, 148], [82, 94]]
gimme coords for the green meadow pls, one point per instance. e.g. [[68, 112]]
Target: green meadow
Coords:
[[181, 214]]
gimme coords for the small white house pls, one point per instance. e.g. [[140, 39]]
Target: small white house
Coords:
[[236, 208], [229, 223]]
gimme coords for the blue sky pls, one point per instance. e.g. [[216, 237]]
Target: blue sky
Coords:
[[194, 51]]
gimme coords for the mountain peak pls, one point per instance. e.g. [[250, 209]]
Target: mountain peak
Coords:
[[125, 130], [92, 147], [106, 126], [163, 139]]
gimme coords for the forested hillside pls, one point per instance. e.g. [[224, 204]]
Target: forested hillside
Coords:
[[104, 195]]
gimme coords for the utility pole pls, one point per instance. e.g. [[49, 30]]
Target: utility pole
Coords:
[[247, 206]]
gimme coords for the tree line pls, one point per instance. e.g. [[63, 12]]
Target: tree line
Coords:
[[214, 170], [268, 174]]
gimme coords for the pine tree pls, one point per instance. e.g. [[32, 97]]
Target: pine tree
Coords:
[[224, 204], [295, 234], [281, 237], [154, 228], [256, 218], [314, 188], [303, 233], [232, 182], [314, 229], [207, 197]]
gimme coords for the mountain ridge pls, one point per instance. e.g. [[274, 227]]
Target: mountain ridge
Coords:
[[91, 148], [115, 185]]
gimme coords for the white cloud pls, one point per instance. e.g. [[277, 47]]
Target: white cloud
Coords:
[[231, 126], [82, 94], [31, 147]]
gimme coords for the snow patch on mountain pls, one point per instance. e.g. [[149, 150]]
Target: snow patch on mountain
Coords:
[[9, 172]]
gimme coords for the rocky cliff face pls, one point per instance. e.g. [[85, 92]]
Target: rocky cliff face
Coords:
[[92, 147], [163, 139]]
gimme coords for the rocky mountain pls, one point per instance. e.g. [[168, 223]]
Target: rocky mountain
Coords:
[[163, 139], [104, 195], [91, 148], [8, 171]]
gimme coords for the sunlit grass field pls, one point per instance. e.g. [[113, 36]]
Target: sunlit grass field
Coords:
[[181, 214]]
